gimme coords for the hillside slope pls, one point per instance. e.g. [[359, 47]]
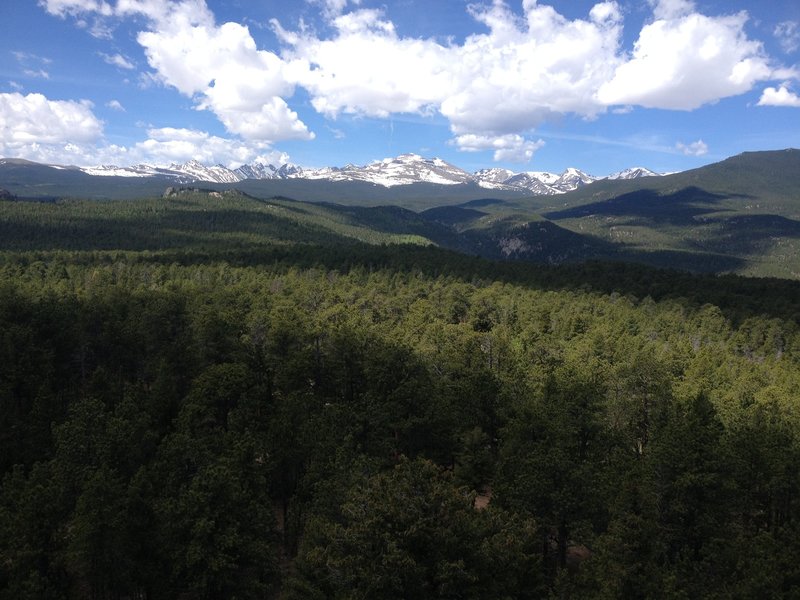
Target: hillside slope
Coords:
[[740, 215]]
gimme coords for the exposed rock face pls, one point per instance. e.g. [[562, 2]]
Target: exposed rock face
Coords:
[[172, 192]]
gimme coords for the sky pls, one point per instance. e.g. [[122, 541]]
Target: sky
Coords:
[[525, 85]]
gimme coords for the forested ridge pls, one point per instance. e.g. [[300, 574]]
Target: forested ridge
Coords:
[[222, 414], [739, 215]]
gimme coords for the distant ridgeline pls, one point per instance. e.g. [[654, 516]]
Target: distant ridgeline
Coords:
[[736, 216]]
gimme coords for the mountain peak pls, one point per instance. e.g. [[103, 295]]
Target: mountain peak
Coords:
[[408, 157], [634, 173], [404, 169]]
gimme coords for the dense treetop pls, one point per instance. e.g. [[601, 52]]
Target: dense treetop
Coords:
[[263, 417]]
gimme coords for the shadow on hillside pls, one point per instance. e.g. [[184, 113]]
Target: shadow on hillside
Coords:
[[745, 234], [697, 262], [679, 208], [185, 229]]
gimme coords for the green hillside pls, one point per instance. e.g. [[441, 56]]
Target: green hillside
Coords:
[[741, 215], [745, 209], [189, 219]]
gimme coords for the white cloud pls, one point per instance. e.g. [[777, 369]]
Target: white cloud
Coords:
[[527, 68], [167, 12], [167, 145], [698, 148], [37, 73], [507, 148], [174, 145], [684, 60], [35, 119], [524, 72], [115, 105], [337, 134], [67, 132], [62, 8], [671, 9], [521, 73], [32, 64], [788, 34], [219, 66], [118, 60], [28, 57], [333, 8], [37, 128], [366, 69], [781, 96], [243, 86], [223, 69]]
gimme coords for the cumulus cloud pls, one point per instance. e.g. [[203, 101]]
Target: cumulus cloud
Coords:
[[788, 34], [507, 148], [781, 96], [698, 148], [528, 67], [34, 127], [168, 145], [34, 118], [118, 60], [217, 65], [366, 68], [115, 105], [224, 70], [522, 72], [67, 132], [684, 60]]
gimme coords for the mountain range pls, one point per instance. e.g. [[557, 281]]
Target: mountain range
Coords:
[[739, 215], [405, 169]]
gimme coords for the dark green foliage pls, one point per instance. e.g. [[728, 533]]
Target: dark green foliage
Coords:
[[409, 533], [318, 421]]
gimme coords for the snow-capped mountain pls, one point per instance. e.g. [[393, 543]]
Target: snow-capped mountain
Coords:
[[634, 173], [533, 184], [261, 171], [494, 178], [572, 179], [200, 172], [401, 170], [185, 173], [139, 171], [545, 177], [542, 183]]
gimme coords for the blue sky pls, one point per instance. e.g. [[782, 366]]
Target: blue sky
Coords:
[[526, 85]]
